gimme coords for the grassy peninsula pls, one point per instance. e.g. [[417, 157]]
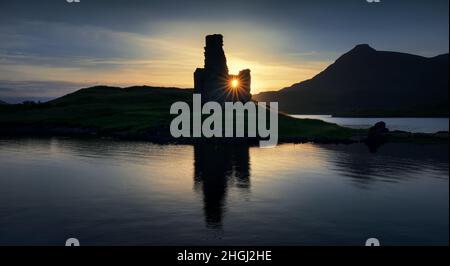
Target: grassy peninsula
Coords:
[[135, 112]]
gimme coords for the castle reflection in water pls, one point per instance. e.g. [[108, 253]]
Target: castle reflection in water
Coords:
[[218, 166]]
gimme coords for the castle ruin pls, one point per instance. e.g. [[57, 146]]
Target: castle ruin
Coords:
[[214, 82]]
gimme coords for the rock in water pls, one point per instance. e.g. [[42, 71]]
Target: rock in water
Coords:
[[378, 135]]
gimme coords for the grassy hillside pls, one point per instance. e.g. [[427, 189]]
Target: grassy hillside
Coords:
[[135, 110]]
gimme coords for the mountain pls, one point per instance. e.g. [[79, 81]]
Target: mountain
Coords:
[[3, 103], [368, 82]]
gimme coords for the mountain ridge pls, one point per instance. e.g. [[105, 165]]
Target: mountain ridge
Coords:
[[368, 82]]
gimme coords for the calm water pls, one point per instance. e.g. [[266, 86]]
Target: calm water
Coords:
[[128, 193], [417, 125]]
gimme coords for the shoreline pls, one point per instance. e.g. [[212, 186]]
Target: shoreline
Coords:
[[40, 131]]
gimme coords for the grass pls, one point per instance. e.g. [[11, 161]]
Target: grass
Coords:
[[293, 127], [136, 110]]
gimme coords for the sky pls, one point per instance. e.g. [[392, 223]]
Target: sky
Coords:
[[49, 48]]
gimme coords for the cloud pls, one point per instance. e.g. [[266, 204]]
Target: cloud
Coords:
[[94, 55], [19, 91], [160, 43]]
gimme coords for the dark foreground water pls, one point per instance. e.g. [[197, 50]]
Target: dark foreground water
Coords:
[[128, 193]]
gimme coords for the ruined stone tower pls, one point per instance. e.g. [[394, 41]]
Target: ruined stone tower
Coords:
[[214, 82]]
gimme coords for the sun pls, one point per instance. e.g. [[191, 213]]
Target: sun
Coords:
[[234, 83]]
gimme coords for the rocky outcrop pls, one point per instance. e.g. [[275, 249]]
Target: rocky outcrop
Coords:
[[378, 135]]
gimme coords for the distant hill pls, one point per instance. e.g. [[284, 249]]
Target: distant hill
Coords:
[[138, 112], [2, 102], [115, 109], [367, 82]]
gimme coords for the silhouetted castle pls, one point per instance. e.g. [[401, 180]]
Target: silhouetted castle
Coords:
[[214, 82]]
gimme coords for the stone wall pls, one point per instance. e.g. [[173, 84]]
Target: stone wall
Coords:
[[213, 81]]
